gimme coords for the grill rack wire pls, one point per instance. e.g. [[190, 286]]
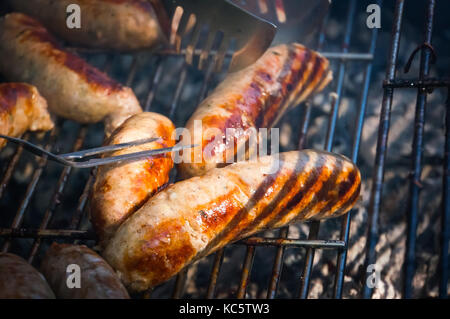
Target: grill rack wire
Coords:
[[74, 233]]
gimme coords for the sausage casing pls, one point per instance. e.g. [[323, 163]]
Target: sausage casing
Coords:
[[72, 88], [20, 280], [107, 24], [97, 279], [254, 97], [120, 189], [197, 216], [22, 108]]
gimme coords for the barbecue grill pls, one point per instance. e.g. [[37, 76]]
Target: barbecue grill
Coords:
[[42, 202]]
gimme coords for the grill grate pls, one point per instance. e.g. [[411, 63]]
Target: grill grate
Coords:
[[76, 228], [424, 87]]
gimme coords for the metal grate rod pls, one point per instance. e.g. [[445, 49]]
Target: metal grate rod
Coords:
[[383, 131], [417, 155], [42, 162], [445, 219], [346, 219], [307, 269], [279, 257]]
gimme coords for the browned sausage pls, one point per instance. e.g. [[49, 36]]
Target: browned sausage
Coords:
[[197, 216], [120, 189], [22, 108], [255, 97], [107, 24], [97, 279], [72, 88], [19, 280]]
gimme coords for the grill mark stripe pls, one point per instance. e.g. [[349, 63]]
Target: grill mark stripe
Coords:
[[284, 191], [271, 102], [301, 213], [309, 187], [348, 189], [241, 214], [293, 77], [325, 189], [313, 59], [326, 73], [326, 206], [350, 202], [315, 77]]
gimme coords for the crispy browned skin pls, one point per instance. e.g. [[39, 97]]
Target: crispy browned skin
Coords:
[[22, 108], [72, 88], [120, 189], [197, 216], [20, 280], [255, 97], [98, 279], [108, 24]]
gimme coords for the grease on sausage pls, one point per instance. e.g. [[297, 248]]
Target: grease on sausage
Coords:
[[73, 88], [255, 97], [22, 109], [120, 189], [195, 217]]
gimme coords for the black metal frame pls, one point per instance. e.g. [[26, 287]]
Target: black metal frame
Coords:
[[73, 232]]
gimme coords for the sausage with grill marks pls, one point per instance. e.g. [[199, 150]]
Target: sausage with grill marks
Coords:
[[107, 24], [22, 108], [73, 89], [121, 188], [20, 280], [197, 216], [97, 279], [255, 97]]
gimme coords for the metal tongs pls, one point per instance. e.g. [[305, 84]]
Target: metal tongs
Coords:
[[226, 23], [78, 159]]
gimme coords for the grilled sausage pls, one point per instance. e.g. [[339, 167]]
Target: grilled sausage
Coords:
[[107, 24], [22, 108], [73, 89], [197, 216], [255, 97], [97, 279], [20, 280], [120, 189]]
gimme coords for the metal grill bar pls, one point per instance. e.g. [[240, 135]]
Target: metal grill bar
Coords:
[[346, 220], [329, 55], [154, 84], [417, 154], [445, 222], [284, 232], [55, 201], [11, 166], [307, 269], [74, 233], [385, 117], [424, 86], [17, 222], [427, 83], [218, 260], [246, 270]]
